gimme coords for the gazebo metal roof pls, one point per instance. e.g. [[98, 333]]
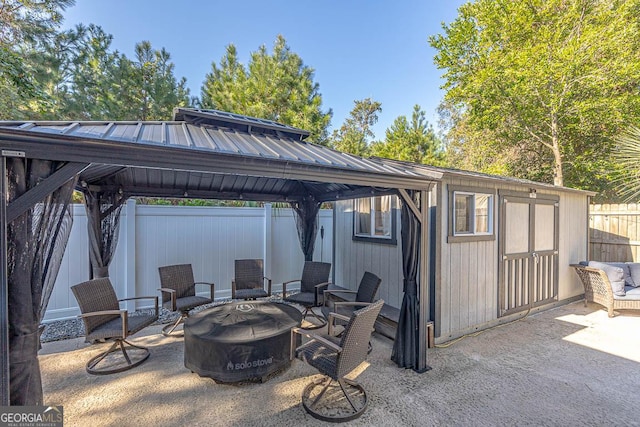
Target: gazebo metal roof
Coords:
[[209, 154]]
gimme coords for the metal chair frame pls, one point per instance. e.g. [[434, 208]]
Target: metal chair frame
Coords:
[[315, 279], [336, 358], [250, 270], [175, 278], [100, 292]]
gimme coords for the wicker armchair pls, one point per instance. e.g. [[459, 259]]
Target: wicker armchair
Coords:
[[315, 279], [249, 280], [336, 358], [597, 289], [104, 320], [179, 294], [365, 294]]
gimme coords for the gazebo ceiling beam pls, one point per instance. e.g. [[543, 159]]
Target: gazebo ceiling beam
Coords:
[[43, 189]]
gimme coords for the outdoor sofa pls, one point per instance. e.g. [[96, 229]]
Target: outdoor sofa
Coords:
[[615, 285]]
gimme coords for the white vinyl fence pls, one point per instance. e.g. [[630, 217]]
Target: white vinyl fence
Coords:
[[209, 238]]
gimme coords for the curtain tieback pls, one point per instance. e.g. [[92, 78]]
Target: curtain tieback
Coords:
[[24, 347], [411, 285]]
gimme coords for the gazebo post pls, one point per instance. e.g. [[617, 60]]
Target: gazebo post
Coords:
[[4, 288], [423, 291]]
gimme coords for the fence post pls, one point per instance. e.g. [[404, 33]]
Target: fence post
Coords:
[[268, 230], [130, 253]]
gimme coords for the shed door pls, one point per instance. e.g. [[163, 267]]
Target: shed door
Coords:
[[528, 252]]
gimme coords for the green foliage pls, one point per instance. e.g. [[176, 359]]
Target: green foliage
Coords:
[[355, 134], [26, 26], [627, 154], [413, 141], [538, 89], [276, 86], [74, 74], [106, 85]]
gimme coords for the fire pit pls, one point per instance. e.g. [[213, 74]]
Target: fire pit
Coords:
[[240, 341]]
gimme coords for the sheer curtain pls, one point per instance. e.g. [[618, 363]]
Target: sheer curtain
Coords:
[[38, 237], [103, 222]]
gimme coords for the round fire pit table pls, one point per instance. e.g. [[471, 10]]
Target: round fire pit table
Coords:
[[240, 341]]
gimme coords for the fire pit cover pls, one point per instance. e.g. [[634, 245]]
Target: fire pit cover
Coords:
[[240, 341]]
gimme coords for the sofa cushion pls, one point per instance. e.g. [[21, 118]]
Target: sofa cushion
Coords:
[[615, 275], [634, 270], [632, 294], [628, 280]]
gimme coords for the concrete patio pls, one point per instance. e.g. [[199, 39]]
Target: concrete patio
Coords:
[[570, 366]]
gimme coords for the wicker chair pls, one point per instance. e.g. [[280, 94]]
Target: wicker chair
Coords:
[[315, 279], [249, 280], [597, 289], [365, 294], [179, 294], [335, 358], [104, 320]]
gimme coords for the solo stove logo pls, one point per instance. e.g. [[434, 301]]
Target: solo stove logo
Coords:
[[246, 365]]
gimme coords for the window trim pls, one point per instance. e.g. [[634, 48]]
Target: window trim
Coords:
[[452, 236], [392, 240]]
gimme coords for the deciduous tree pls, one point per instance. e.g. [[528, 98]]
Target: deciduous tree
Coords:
[[540, 87]]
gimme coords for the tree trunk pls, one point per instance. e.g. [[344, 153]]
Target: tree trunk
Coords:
[[558, 177]]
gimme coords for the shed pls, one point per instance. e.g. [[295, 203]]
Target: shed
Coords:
[[500, 248]]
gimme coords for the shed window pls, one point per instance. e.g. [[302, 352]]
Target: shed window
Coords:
[[472, 214], [374, 219]]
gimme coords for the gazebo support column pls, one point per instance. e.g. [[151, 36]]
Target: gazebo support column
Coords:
[[410, 346], [4, 288]]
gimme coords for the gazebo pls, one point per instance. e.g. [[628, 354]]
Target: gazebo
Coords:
[[205, 154]]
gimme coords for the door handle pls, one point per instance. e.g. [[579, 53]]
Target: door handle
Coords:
[[535, 256]]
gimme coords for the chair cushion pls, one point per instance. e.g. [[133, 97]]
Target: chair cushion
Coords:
[[113, 328], [187, 303], [615, 275], [303, 298], [251, 293], [320, 356]]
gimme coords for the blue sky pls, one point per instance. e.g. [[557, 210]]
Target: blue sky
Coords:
[[358, 48]]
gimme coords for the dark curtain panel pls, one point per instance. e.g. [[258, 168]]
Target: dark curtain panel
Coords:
[[307, 224], [103, 222], [405, 346], [37, 242]]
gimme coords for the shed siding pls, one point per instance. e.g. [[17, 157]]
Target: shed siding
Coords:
[[353, 258], [573, 244], [466, 273]]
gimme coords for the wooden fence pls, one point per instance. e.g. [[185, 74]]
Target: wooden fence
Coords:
[[614, 232]]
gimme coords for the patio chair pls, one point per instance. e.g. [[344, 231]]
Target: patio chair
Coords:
[[365, 294], [335, 358], [249, 280], [104, 320], [178, 289], [315, 279]]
